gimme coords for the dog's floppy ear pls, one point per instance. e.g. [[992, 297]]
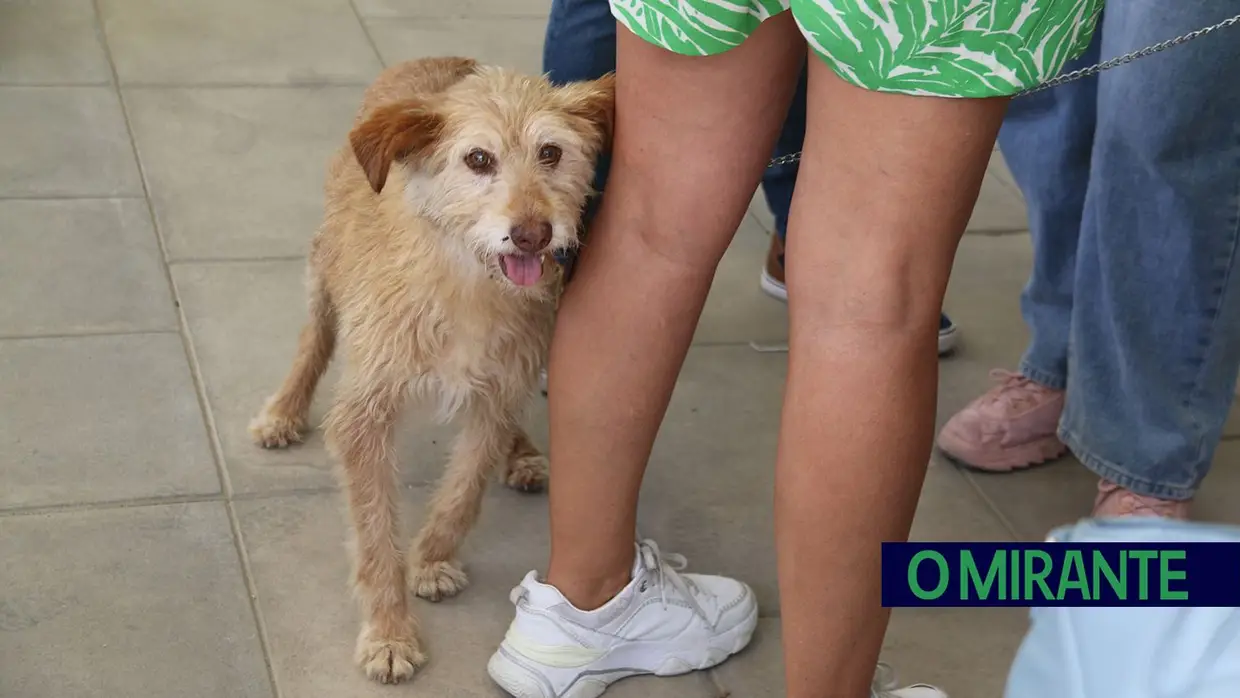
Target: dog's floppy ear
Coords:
[[393, 132], [594, 101]]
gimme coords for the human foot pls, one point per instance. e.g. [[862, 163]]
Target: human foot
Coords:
[[663, 623], [1114, 501], [1010, 427]]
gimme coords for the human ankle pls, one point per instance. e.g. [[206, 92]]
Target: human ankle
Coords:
[[588, 593]]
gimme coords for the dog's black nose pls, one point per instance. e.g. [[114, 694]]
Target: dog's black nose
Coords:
[[531, 236]]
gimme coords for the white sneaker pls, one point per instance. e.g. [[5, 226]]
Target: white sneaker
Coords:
[[884, 686], [662, 623]]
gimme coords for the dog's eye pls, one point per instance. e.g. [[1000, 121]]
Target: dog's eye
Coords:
[[480, 161], [550, 154]]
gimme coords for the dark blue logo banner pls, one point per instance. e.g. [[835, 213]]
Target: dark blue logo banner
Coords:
[[1061, 574]]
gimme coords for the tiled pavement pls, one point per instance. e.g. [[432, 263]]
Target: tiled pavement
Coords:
[[160, 165]]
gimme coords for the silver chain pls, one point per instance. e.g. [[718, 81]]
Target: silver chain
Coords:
[[1083, 72]]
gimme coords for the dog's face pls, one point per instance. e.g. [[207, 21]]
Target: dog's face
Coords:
[[501, 163]]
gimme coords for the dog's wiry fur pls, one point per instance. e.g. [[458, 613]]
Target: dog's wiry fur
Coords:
[[404, 276]]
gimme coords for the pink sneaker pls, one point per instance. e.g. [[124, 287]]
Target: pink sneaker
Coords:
[[1012, 426], [1114, 500]]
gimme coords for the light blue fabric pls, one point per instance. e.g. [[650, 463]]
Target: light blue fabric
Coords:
[[1131, 652]]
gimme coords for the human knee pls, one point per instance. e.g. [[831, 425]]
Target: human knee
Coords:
[[879, 289]]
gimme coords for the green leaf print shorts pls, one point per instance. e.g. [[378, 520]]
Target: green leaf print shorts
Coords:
[[943, 48]]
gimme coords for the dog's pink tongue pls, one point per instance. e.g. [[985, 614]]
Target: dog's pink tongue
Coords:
[[522, 269]]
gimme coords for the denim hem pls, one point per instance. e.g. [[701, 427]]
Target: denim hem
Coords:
[[1114, 473], [1041, 377]]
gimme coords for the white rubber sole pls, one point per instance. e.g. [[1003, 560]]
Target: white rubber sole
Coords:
[[523, 678], [771, 287], [948, 339]]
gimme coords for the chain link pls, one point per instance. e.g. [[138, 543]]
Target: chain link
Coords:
[[1084, 72]]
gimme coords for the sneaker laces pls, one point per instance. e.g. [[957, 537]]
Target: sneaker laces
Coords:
[[666, 567], [1015, 389]]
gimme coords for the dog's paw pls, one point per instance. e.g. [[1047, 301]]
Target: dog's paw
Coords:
[[437, 580], [271, 430], [527, 473], [388, 660]]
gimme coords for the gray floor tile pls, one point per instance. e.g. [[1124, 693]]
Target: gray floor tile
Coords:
[[966, 651], [1231, 428], [1039, 499], [81, 266], [297, 553], [509, 42], [234, 41], [460, 8], [238, 173], [51, 41], [1000, 207], [244, 319], [737, 311], [999, 170], [146, 601], [761, 213], [65, 141], [983, 298], [724, 419], [97, 419]]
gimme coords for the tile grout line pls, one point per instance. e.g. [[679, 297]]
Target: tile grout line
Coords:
[[167, 500], [85, 334], [361, 21], [242, 85], [109, 505], [990, 503], [195, 369], [71, 197], [237, 260], [44, 85]]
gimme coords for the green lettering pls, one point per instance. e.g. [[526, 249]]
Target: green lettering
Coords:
[[1143, 579], [1073, 563], [1015, 592], [1103, 568], [944, 575], [1167, 575], [970, 576], [1038, 577]]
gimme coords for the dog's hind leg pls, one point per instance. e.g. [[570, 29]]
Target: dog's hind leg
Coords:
[[526, 469], [283, 418], [483, 445], [359, 431]]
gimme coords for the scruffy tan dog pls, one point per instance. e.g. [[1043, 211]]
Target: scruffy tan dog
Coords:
[[433, 270]]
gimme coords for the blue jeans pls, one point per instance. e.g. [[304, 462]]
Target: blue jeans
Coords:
[[1133, 184], [581, 45]]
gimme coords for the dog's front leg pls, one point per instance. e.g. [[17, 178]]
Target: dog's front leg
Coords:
[[359, 429], [482, 446]]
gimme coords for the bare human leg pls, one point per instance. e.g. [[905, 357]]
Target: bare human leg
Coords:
[[897, 177], [692, 138]]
